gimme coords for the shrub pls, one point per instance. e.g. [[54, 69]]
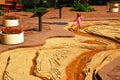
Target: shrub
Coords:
[[39, 9], [11, 17], [77, 6], [1, 13], [10, 30]]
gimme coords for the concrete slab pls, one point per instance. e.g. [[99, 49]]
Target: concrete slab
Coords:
[[111, 71]]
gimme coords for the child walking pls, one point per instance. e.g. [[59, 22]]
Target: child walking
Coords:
[[79, 21]]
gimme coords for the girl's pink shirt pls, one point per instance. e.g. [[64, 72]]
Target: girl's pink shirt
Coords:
[[79, 21]]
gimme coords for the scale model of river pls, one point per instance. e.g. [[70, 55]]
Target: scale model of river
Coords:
[[75, 69]]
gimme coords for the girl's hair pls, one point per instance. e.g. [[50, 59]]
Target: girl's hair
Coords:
[[78, 15]]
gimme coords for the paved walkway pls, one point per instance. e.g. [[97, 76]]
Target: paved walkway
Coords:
[[36, 38], [111, 71]]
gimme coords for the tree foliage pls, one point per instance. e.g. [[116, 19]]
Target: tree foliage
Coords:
[[77, 6]]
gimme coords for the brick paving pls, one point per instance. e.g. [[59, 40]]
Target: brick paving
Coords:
[[111, 71]]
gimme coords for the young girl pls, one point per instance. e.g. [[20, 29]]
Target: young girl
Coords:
[[79, 21]]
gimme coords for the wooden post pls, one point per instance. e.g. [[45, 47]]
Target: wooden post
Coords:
[[60, 11], [40, 14]]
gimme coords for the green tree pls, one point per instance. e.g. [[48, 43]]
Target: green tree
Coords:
[[51, 3], [78, 6]]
